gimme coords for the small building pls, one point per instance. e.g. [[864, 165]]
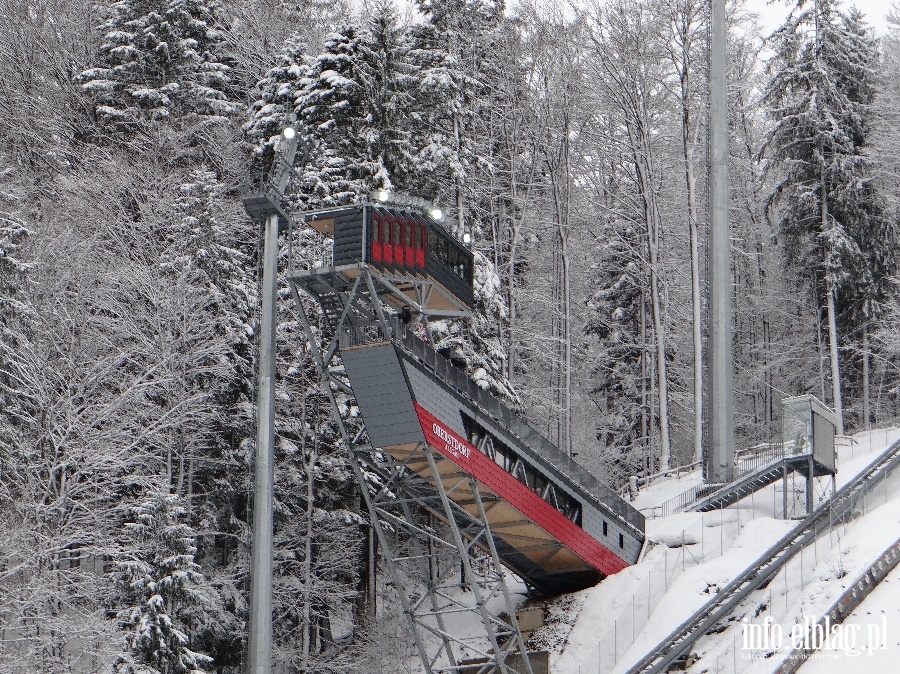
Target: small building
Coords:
[[808, 428]]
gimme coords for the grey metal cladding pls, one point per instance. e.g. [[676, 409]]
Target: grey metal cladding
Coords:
[[348, 232], [435, 397], [446, 405], [592, 522], [382, 394], [566, 482], [592, 516], [449, 280]]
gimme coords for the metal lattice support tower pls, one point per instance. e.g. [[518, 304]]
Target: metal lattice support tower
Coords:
[[424, 535]]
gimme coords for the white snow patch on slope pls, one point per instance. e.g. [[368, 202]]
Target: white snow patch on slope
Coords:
[[629, 613]]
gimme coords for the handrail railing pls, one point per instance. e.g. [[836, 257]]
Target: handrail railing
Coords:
[[692, 495], [678, 471], [759, 459], [361, 335], [773, 453]]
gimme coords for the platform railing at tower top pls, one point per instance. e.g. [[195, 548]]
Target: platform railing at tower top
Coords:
[[362, 335], [773, 453]]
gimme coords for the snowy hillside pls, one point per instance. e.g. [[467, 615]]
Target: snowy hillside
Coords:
[[691, 555]]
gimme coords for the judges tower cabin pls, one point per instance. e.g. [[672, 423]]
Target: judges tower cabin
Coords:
[[401, 242]]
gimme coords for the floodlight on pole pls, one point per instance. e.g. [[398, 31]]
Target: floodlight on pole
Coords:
[[289, 132]]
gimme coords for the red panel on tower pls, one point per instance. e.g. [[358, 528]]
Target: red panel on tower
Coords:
[[420, 251], [409, 229], [377, 238]]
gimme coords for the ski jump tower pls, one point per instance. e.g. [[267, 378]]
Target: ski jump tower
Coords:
[[456, 484]]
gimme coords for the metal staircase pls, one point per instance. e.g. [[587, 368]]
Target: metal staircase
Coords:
[[753, 474], [733, 492]]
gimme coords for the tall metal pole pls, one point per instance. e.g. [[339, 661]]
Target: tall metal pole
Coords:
[[720, 406], [259, 656]]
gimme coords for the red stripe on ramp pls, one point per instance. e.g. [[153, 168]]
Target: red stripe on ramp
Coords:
[[495, 478]]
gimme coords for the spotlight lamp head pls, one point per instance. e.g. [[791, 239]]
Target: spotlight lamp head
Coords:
[[383, 196], [289, 132], [467, 238], [436, 214]]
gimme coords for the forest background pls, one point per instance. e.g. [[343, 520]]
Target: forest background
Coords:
[[570, 144]]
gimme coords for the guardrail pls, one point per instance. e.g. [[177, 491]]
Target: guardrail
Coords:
[[692, 495], [839, 508], [678, 471], [845, 605], [361, 335], [766, 456]]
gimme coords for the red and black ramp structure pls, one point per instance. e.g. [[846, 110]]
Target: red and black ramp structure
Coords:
[[551, 521]]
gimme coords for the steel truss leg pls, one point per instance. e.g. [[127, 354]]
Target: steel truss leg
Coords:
[[423, 561]]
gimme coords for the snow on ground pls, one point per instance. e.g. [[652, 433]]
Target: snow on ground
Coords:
[[466, 626], [690, 555], [812, 583], [858, 451], [684, 589], [854, 453], [650, 498]]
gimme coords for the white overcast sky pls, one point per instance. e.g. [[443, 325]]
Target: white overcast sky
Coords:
[[771, 14]]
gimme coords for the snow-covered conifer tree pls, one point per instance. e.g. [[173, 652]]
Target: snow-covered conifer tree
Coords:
[[618, 376], [201, 257], [390, 78], [163, 588], [353, 108], [275, 106], [318, 551], [820, 96], [160, 59], [16, 401], [458, 53], [353, 103], [332, 108], [201, 242]]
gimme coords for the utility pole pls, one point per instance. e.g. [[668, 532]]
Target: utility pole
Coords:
[[265, 207], [719, 453], [259, 656]]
